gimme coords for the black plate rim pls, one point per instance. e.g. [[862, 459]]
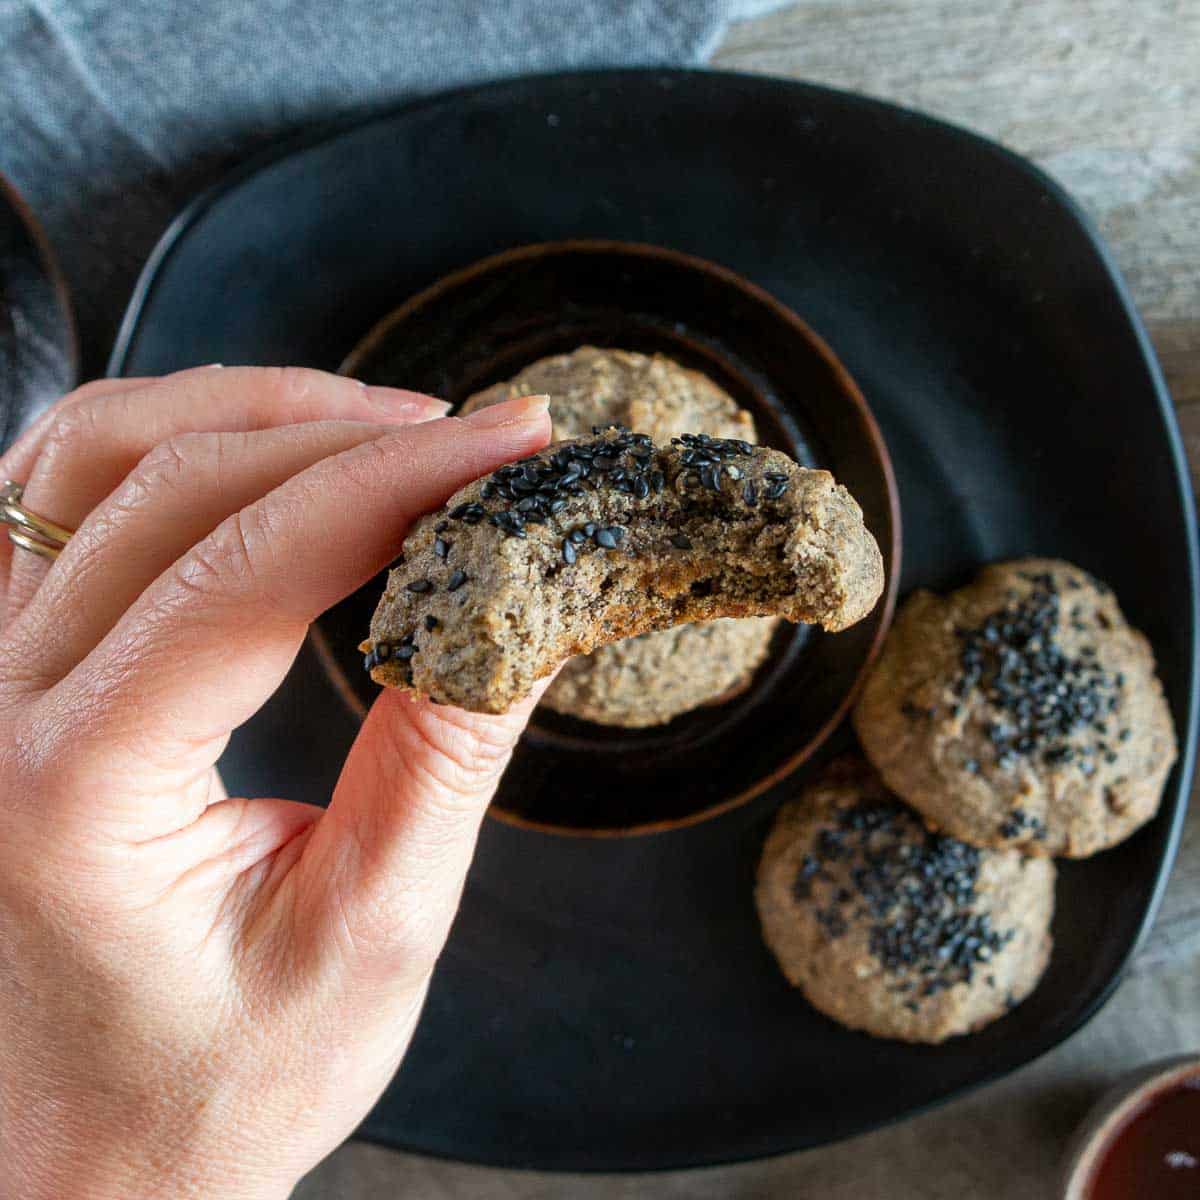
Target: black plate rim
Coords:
[[1184, 769]]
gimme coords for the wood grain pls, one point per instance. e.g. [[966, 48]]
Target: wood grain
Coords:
[[1104, 94]]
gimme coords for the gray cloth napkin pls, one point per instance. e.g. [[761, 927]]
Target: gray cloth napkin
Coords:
[[113, 113]]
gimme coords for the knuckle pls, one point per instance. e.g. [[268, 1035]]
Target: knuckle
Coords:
[[168, 465], [72, 425], [222, 563], [291, 387], [231, 562], [391, 920], [457, 762]]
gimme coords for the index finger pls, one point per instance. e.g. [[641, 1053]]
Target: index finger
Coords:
[[213, 636]]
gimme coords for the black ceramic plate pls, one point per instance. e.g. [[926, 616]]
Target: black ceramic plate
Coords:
[[37, 332], [485, 323], [608, 1004]]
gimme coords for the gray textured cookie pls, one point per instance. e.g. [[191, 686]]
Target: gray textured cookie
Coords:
[[890, 928], [651, 679], [1021, 711], [647, 680], [649, 394], [595, 540]]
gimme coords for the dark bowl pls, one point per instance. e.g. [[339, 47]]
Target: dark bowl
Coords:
[[485, 323], [38, 349]]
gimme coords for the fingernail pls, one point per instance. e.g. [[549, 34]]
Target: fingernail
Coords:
[[397, 402], [512, 412]]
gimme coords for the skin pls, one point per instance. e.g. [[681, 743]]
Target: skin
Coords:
[[201, 996]]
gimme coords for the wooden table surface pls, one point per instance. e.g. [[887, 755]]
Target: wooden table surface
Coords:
[[1104, 94]]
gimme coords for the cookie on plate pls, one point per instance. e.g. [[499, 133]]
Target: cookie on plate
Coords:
[[651, 679], [594, 540], [890, 928], [1021, 710]]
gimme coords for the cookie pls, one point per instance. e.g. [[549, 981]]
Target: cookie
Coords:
[[649, 680], [890, 928], [1021, 711], [594, 540], [648, 393]]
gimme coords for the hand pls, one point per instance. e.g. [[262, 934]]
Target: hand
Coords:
[[201, 996]]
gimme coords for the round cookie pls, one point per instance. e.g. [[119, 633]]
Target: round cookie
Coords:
[[893, 929], [648, 393], [590, 541], [1021, 710], [651, 679], [647, 680]]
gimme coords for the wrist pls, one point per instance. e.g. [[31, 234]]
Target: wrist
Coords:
[[125, 1173]]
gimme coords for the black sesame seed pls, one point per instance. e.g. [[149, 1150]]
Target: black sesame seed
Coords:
[[775, 490], [750, 494], [441, 547], [577, 536], [568, 551], [608, 538], [419, 586], [589, 530], [456, 580], [441, 527], [431, 622], [681, 541], [641, 487], [915, 890]]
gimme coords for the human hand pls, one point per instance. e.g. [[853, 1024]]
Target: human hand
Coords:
[[202, 996]]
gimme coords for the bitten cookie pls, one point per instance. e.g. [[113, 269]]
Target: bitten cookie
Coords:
[[595, 540], [1021, 711], [890, 928], [648, 680]]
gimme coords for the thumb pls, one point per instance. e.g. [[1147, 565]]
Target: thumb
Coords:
[[389, 858]]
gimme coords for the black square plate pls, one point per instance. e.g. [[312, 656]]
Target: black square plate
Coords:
[[608, 1004]]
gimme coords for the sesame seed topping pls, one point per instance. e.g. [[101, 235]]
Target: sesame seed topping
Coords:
[[456, 580], [1045, 696], [915, 889], [419, 586], [431, 622]]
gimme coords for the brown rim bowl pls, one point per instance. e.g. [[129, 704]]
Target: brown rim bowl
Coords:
[[1111, 1115], [486, 322]]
